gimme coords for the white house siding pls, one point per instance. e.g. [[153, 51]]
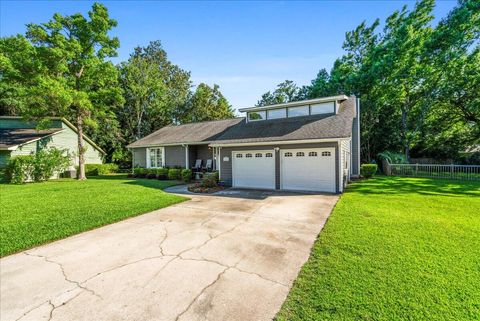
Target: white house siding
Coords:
[[346, 159]]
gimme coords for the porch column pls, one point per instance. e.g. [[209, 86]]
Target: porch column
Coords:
[[187, 161]]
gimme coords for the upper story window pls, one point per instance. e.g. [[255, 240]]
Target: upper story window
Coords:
[[277, 113], [257, 115], [298, 111], [323, 108]]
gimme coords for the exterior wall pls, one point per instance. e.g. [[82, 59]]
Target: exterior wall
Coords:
[[204, 153], [345, 160], [174, 156], [66, 139], [226, 167], [356, 141], [139, 157]]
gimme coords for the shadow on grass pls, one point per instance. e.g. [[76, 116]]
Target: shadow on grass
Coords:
[[389, 185], [145, 182]]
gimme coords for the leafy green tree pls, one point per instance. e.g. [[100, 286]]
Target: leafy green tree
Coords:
[[285, 92], [155, 90], [207, 103], [70, 76]]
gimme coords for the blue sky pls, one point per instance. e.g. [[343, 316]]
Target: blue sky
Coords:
[[245, 47]]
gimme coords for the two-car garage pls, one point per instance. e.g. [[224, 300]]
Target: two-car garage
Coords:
[[307, 169]]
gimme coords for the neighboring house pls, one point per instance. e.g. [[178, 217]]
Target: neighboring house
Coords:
[[311, 145], [19, 137]]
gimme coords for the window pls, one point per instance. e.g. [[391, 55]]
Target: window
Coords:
[[248, 155], [239, 156], [257, 115], [298, 111], [288, 154], [268, 155], [312, 154], [156, 157], [323, 108], [258, 155], [300, 154], [277, 113], [326, 154]]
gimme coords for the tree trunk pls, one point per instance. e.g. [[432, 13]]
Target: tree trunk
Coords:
[[81, 149], [405, 134]]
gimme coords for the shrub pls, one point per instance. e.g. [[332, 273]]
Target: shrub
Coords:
[[139, 172], [174, 173], [19, 169], [162, 173], [210, 180], [393, 157], [368, 170], [186, 175], [100, 169], [39, 167]]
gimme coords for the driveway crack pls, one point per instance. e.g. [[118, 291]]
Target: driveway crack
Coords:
[[64, 274], [201, 292]]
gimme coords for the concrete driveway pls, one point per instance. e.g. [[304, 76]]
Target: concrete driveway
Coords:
[[231, 256]]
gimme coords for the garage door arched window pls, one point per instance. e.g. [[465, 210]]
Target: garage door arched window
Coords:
[[326, 154], [312, 154], [248, 155], [258, 155], [239, 155], [268, 155], [288, 154], [300, 154]]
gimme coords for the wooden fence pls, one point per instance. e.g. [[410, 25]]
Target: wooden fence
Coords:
[[462, 172]]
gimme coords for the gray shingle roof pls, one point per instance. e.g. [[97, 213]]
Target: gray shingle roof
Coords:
[[18, 136], [238, 130], [199, 132]]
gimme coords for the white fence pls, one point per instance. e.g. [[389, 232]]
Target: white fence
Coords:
[[462, 172]]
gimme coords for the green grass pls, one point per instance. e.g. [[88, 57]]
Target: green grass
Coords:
[[34, 214], [394, 249]]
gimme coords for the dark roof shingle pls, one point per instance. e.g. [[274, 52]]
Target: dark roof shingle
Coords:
[[18, 136], [238, 130], [206, 132]]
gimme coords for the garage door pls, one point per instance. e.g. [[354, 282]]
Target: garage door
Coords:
[[308, 169], [254, 169]]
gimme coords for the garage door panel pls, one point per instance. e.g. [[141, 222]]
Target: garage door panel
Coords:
[[310, 169], [254, 169]]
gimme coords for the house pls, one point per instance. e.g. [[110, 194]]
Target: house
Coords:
[[19, 137], [310, 145]]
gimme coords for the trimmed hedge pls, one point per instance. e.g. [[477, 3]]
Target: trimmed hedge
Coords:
[[187, 175], [162, 173], [100, 169], [368, 170], [174, 173]]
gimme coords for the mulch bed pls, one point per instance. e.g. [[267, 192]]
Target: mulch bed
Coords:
[[197, 188]]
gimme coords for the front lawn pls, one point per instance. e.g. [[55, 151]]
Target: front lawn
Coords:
[[34, 214], [394, 249]]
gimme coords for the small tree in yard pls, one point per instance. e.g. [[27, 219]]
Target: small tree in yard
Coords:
[[76, 81]]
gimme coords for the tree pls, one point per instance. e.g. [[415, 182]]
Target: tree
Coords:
[[285, 92], [70, 76], [207, 103], [155, 90]]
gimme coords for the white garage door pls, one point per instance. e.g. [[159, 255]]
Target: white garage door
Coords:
[[310, 169], [254, 169]]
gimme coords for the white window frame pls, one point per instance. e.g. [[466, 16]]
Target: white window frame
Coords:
[[292, 109], [257, 112], [149, 165]]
